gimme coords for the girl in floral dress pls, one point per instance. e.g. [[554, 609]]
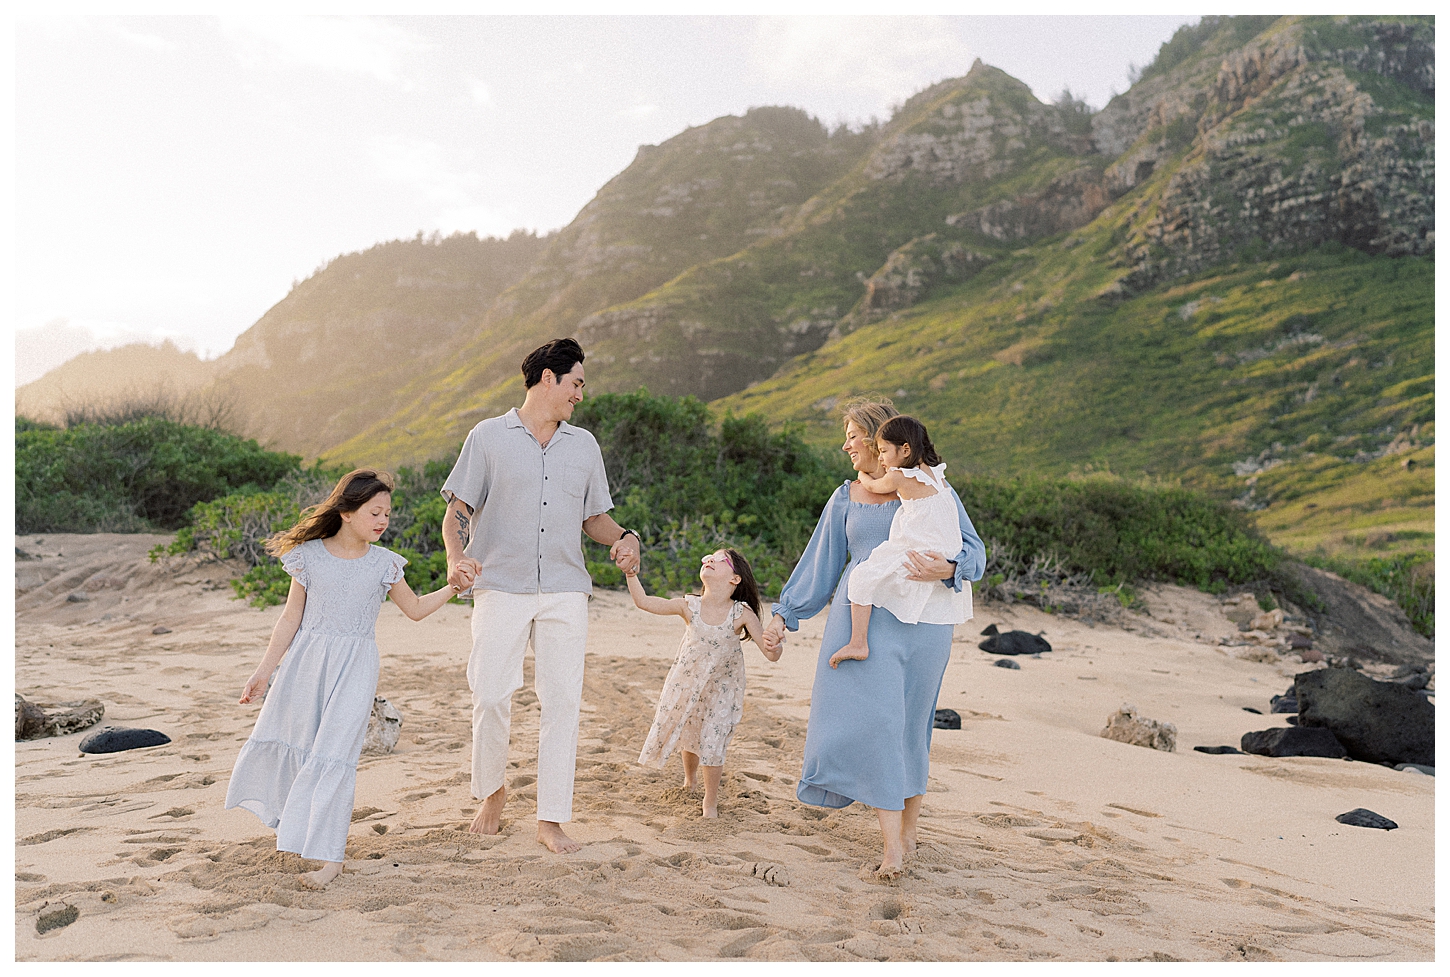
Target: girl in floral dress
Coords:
[[704, 694]]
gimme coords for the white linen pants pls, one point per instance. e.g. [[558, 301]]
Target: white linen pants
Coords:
[[503, 625]]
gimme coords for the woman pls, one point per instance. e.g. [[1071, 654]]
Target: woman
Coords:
[[870, 725]]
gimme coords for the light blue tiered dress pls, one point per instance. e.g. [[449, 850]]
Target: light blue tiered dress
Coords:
[[298, 769], [869, 733]]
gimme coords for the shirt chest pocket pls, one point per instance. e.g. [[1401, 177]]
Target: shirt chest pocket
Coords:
[[569, 481]]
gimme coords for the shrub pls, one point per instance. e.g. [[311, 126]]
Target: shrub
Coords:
[[131, 477], [1117, 532]]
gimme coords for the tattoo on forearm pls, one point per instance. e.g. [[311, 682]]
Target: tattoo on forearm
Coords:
[[462, 529]]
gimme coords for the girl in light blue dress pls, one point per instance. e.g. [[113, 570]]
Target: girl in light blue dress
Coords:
[[298, 769]]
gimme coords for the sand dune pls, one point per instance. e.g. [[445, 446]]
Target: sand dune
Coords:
[[1040, 840]]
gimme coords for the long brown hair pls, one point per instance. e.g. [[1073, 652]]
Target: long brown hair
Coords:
[[905, 431], [320, 521]]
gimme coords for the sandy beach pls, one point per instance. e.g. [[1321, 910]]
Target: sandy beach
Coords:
[[1040, 840]]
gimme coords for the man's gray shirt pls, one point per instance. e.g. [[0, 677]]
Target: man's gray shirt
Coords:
[[528, 504]]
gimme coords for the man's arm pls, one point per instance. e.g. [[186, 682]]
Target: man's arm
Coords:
[[461, 569], [623, 547]]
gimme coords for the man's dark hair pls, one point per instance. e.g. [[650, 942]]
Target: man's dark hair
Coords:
[[558, 355]]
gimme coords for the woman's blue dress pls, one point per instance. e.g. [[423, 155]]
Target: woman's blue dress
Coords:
[[869, 733]]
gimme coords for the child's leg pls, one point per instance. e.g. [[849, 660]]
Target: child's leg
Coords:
[[856, 649], [692, 763], [710, 806]]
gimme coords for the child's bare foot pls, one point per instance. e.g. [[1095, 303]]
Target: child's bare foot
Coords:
[[490, 814], [552, 837], [691, 782], [853, 651], [320, 878]]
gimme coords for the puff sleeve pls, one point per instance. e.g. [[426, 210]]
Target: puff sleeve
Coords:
[[393, 569], [294, 561]]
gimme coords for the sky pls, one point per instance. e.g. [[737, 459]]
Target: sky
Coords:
[[176, 175]]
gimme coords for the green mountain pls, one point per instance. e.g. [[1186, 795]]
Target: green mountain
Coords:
[[1251, 314], [1224, 277]]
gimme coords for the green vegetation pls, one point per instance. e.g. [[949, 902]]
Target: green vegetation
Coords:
[[690, 486], [1118, 533], [139, 476]]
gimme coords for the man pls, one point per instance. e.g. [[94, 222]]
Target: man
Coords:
[[524, 485]]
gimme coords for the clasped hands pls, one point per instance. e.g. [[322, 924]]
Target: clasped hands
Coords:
[[926, 567]]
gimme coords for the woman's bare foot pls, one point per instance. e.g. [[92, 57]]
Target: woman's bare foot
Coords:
[[490, 814], [552, 837], [320, 878], [890, 869], [853, 651]]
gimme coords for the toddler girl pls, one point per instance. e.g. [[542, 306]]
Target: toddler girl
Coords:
[[704, 694], [927, 520], [298, 769]]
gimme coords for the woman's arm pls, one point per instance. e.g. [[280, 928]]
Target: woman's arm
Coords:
[[282, 634], [416, 608], [814, 579], [969, 563], [656, 605]]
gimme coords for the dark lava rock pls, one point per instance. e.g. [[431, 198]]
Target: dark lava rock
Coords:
[[1284, 703], [1300, 642], [1356, 621], [1412, 676], [1292, 720], [1364, 818], [161, 629], [947, 719], [1378, 722], [1251, 709], [77, 598], [1218, 749], [114, 739], [1293, 741], [1013, 642], [1006, 663]]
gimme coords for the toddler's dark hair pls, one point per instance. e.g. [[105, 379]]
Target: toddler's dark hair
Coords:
[[905, 431]]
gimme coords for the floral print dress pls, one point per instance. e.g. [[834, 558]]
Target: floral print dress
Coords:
[[704, 694]]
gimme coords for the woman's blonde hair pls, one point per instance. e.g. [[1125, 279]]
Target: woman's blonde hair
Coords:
[[869, 413], [320, 521]]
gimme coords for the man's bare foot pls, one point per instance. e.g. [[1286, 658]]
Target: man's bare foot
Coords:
[[552, 837], [710, 810], [854, 651], [320, 878], [490, 813]]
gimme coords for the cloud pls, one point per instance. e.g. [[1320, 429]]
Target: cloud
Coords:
[[423, 166], [884, 57], [351, 45], [639, 111]]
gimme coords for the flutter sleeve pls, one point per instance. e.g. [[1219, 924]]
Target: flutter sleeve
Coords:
[[814, 578], [972, 560], [393, 571], [294, 561]]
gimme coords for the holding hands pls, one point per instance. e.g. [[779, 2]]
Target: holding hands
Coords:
[[462, 574], [625, 554], [773, 638]]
